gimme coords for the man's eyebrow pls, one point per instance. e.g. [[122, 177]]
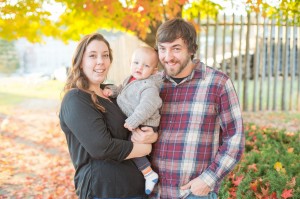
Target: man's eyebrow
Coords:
[[175, 45]]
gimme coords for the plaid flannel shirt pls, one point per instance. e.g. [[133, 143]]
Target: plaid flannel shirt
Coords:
[[201, 131]]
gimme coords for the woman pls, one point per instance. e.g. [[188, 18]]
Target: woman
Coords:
[[93, 125]]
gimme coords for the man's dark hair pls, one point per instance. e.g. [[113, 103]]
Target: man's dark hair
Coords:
[[178, 28]]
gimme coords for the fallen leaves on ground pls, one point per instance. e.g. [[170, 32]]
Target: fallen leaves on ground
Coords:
[[34, 160]]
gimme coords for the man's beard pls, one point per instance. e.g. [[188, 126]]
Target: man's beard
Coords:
[[173, 72]]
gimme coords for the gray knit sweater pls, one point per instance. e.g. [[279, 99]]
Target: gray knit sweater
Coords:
[[140, 100]]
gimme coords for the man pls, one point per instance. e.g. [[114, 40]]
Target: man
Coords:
[[201, 135]]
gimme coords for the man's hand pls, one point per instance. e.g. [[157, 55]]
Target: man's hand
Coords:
[[145, 135], [197, 186]]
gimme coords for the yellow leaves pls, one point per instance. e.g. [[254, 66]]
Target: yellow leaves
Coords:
[[6, 170], [24, 19], [278, 167], [204, 7]]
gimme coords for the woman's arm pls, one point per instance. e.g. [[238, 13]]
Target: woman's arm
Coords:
[[139, 150]]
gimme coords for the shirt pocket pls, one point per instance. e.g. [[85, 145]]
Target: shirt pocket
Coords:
[[209, 113], [210, 109], [203, 112]]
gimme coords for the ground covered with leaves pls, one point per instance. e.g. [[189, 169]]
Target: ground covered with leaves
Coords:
[[34, 160], [269, 168]]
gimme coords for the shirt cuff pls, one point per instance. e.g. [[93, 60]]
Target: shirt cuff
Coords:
[[131, 121], [209, 178]]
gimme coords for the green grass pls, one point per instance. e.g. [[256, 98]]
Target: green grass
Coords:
[[291, 96], [259, 175], [16, 90]]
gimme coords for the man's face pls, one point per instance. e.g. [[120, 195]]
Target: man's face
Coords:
[[175, 58]]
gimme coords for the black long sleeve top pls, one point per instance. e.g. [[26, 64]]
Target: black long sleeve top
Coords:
[[98, 145]]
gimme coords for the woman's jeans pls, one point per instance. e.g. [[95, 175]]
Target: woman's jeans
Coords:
[[211, 195]]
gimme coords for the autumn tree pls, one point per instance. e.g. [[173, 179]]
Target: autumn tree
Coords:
[[276, 9], [30, 19], [26, 19]]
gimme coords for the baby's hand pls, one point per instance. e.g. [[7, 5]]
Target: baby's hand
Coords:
[[107, 92], [128, 127]]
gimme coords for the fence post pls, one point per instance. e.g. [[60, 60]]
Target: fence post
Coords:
[[240, 71], [262, 64], [215, 42], [293, 64], [270, 63], [285, 66], [223, 47], [278, 56], [298, 64], [199, 36], [256, 63], [206, 41], [232, 64], [246, 79]]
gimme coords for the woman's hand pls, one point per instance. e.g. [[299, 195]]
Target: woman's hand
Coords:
[[107, 92], [145, 135], [128, 127]]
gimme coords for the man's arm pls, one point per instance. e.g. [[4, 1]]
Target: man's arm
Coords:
[[232, 139], [232, 142]]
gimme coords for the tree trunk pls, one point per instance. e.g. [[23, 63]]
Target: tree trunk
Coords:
[[150, 38]]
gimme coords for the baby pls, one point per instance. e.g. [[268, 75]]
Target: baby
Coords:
[[138, 97]]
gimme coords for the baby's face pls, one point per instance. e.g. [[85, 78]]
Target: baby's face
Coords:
[[143, 64]]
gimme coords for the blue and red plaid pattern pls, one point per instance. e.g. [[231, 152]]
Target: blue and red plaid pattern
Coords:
[[201, 131]]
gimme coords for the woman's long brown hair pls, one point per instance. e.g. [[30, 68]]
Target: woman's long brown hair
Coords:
[[76, 77]]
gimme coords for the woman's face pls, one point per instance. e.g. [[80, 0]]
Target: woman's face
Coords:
[[95, 62]]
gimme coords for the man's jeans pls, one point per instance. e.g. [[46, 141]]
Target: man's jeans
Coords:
[[211, 195]]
